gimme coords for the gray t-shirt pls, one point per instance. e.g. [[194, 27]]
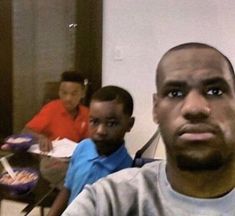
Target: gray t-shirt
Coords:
[[144, 192]]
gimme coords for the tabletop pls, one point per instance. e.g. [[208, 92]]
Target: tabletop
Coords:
[[42, 195]]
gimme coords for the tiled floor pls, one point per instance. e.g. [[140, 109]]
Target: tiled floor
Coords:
[[9, 208]]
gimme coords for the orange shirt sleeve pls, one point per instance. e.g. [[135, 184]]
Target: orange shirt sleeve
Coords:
[[42, 119]]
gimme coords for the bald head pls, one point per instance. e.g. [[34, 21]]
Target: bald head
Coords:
[[192, 55]]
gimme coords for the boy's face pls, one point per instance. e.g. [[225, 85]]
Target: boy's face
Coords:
[[108, 125], [70, 93]]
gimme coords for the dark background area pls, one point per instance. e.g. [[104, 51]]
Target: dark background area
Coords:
[[88, 54]]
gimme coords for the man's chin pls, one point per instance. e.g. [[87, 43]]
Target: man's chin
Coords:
[[191, 163]]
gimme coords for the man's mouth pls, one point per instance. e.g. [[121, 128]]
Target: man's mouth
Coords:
[[197, 136], [197, 132]]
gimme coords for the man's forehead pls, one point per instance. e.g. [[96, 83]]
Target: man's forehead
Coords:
[[193, 56], [192, 59]]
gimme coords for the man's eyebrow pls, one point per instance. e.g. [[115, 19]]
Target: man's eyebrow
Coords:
[[174, 83], [208, 81], [215, 80]]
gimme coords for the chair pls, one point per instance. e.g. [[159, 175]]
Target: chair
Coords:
[[147, 152], [50, 91]]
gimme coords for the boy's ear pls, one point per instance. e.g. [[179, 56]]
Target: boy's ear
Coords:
[[83, 92], [131, 123], [155, 106]]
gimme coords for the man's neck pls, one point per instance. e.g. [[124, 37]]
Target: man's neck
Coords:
[[202, 184]]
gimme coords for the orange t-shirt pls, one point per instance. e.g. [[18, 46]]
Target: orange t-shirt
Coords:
[[54, 121]]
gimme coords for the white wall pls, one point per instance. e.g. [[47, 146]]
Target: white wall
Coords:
[[137, 32]]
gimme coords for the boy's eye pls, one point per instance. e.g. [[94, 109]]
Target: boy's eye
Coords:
[[175, 93], [112, 123], [215, 91], [93, 121], [74, 94]]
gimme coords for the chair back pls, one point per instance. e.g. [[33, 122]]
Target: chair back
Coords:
[[51, 91], [147, 152]]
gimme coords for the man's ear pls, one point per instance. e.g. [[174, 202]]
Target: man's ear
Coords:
[[155, 106], [130, 124]]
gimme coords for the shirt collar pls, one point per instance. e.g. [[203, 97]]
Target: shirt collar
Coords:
[[108, 161], [64, 111]]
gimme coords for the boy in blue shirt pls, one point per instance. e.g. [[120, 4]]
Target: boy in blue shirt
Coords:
[[110, 117]]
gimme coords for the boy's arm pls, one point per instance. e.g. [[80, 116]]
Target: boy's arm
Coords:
[[44, 143], [60, 203]]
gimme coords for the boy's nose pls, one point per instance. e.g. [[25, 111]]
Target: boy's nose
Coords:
[[101, 129]]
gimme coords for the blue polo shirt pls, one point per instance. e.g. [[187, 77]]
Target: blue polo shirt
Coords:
[[87, 166]]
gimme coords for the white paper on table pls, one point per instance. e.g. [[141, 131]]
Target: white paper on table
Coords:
[[61, 148]]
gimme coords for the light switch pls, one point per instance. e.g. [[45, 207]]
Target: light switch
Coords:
[[118, 53]]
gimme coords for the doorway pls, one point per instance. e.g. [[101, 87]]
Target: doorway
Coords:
[[45, 38]]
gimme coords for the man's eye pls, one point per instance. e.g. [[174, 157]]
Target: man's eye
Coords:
[[215, 91], [175, 93]]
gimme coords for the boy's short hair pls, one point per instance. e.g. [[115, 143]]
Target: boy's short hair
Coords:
[[110, 93], [72, 76]]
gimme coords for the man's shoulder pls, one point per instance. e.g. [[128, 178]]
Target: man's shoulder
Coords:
[[134, 174], [128, 188], [125, 185]]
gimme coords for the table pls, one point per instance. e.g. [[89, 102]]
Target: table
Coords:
[[42, 195]]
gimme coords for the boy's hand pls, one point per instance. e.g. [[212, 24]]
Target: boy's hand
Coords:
[[45, 144], [5, 146]]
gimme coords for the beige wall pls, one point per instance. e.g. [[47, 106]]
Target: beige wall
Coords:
[[43, 47]]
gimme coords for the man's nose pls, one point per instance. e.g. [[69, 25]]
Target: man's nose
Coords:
[[195, 106]]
